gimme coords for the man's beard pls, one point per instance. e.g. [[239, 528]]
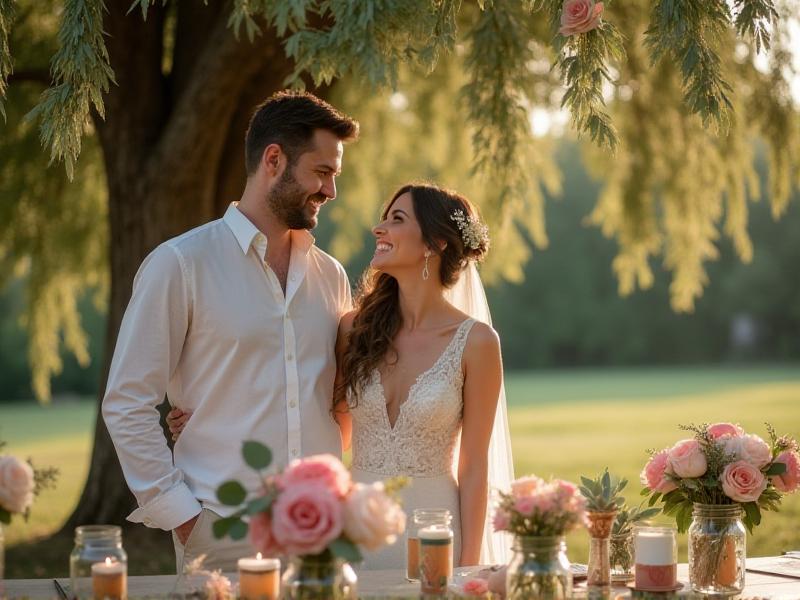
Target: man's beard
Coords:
[[288, 202]]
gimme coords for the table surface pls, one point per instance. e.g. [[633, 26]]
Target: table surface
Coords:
[[392, 584]]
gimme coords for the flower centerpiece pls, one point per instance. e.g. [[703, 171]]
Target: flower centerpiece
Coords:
[[20, 482], [314, 513], [715, 484], [603, 501], [539, 513]]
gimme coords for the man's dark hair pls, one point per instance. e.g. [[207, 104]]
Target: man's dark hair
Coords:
[[289, 120]]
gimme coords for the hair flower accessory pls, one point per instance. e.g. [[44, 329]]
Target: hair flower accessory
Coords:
[[473, 232]]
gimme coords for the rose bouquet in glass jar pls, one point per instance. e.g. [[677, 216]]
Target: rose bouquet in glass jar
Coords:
[[538, 514], [716, 484], [314, 513]]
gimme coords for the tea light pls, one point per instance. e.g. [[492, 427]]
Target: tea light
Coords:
[[436, 559], [110, 580], [259, 578], [656, 552]]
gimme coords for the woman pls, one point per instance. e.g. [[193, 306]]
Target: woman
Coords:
[[416, 373]]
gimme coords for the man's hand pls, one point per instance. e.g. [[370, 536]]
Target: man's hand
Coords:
[[184, 531]]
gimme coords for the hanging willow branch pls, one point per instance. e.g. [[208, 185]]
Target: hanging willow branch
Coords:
[[6, 18]]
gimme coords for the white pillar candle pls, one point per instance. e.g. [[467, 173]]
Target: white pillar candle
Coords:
[[656, 552], [259, 578], [110, 580]]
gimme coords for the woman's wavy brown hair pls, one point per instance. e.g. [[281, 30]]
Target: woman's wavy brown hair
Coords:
[[378, 318]]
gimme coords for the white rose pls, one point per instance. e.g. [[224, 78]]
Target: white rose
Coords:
[[16, 484], [751, 449], [371, 518]]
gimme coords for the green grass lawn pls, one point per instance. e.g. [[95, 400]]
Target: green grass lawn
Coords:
[[563, 423]]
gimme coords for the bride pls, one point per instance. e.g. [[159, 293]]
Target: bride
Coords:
[[419, 385], [415, 371]]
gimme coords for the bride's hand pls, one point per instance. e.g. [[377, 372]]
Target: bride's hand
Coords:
[[176, 421]]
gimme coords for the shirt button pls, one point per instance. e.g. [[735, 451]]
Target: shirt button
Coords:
[[292, 404]]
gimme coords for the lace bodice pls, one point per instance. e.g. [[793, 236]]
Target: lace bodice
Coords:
[[423, 439]]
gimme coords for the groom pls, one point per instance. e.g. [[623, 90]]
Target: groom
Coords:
[[236, 322]]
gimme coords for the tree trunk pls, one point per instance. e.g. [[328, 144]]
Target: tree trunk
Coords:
[[173, 149]]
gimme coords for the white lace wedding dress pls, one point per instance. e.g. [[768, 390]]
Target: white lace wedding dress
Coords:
[[421, 445]]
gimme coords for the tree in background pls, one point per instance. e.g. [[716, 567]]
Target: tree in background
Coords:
[[162, 98]]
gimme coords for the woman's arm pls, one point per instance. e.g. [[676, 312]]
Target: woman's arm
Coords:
[[483, 376], [341, 411]]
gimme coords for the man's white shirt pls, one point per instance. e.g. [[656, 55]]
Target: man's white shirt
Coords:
[[209, 325]]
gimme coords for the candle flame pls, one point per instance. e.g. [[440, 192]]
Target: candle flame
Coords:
[[258, 556], [108, 561]]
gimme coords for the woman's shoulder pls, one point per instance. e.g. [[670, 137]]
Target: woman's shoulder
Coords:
[[346, 321], [482, 338]]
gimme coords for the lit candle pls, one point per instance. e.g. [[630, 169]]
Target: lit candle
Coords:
[[656, 552], [259, 578], [436, 559], [110, 580]]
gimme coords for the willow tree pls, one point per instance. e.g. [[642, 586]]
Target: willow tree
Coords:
[[162, 93]]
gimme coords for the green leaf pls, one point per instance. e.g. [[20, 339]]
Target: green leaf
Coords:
[[258, 505], [231, 493], [238, 530], [221, 527], [256, 455], [654, 498], [752, 512], [345, 549], [777, 468], [606, 481]]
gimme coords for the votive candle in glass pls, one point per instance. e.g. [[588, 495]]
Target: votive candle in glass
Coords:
[[110, 580], [435, 559], [259, 578], [656, 558]]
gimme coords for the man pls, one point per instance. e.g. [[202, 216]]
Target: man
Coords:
[[236, 322]]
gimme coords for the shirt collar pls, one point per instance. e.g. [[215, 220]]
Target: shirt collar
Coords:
[[246, 233]]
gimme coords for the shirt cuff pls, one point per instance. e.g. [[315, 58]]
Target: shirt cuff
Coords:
[[168, 510]]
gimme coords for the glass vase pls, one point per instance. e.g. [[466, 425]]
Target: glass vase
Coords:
[[621, 557], [319, 577], [599, 567], [94, 544], [717, 547], [539, 569]]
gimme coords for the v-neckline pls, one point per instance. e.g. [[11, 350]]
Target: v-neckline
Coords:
[[393, 426]]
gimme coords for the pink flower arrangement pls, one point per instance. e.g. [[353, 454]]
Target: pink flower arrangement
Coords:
[[722, 464], [311, 508], [580, 16], [536, 507], [19, 483]]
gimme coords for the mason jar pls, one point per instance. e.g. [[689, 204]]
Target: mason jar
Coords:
[[539, 569], [717, 549], [94, 544], [421, 518]]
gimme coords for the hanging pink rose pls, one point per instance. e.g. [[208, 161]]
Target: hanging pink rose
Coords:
[[580, 16], [306, 517], [718, 430], [654, 474], [742, 482], [686, 459], [16, 484], [323, 469], [789, 481]]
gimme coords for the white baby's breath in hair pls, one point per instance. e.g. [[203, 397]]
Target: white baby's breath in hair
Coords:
[[473, 232]]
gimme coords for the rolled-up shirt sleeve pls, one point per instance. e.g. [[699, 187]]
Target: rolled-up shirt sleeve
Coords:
[[148, 350]]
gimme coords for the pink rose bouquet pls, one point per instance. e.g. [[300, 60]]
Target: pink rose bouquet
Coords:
[[722, 464], [535, 507], [311, 508], [19, 483]]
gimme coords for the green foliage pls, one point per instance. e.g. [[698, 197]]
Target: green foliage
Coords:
[[6, 18], [256, 455], [231, 493], [627, 517], [346, 550], [603, 493]]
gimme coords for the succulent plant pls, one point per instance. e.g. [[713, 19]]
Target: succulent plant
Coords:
[[603, 492], [627, 517]]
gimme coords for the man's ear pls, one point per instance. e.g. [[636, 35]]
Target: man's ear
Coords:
[[273, 159]]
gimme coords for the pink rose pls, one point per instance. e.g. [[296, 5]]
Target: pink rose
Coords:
[[324, 469], [525, 486], [580, 16], [653, 474], [718, 430], [261, 535], [742, 482], [371, 518], [476, 587], [16, 484], [306, 517], [750, 448], [686, 459], [525, 505], [790, 480], [565, 489], [501, 520]]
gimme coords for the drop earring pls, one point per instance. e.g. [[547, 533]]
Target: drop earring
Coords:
[[425, 272]]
